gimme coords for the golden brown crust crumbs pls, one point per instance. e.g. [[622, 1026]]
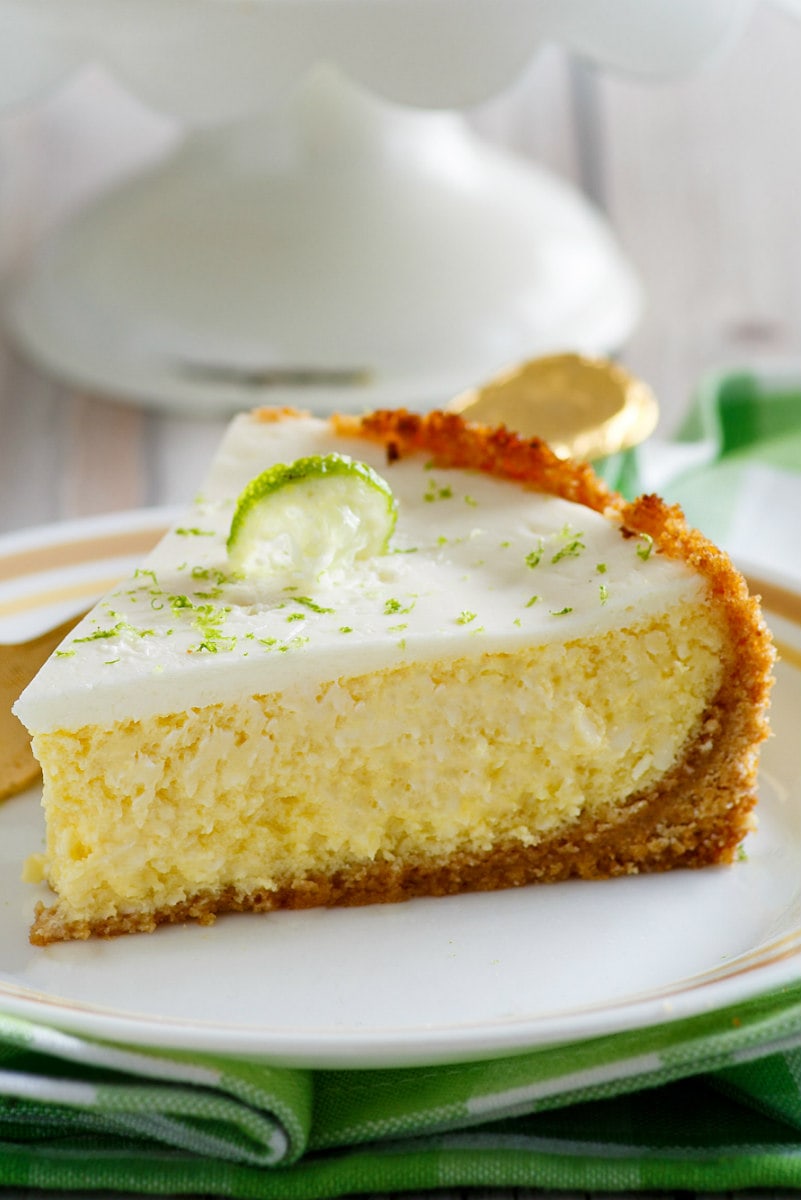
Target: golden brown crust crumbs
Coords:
[[270, 416], [452, 442]]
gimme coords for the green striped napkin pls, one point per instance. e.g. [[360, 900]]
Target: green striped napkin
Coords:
[[711, 1102], [707, 1103], [734, 466]]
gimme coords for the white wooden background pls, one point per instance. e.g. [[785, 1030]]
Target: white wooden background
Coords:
[[700, 177]]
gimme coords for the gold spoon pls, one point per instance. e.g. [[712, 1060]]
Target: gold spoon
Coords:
[[585, 408], [19, 662]]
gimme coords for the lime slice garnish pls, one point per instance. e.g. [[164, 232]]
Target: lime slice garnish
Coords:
[[315, 514]]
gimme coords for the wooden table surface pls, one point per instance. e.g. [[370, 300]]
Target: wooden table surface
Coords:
[[700, 177]]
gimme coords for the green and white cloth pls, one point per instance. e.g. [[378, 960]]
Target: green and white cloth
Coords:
[[734, 466], [713, 1102], [707, 1103]]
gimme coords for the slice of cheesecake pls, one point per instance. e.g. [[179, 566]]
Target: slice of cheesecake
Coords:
[[534, 680]]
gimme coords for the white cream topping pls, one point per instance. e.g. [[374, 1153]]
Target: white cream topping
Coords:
[[476, 564]]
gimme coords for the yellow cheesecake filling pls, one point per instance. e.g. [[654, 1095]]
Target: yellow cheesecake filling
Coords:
[[409, 764]]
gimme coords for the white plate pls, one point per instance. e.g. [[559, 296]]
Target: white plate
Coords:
[[426, 982]]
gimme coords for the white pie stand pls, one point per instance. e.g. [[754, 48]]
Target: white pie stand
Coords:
[[310, 242]]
